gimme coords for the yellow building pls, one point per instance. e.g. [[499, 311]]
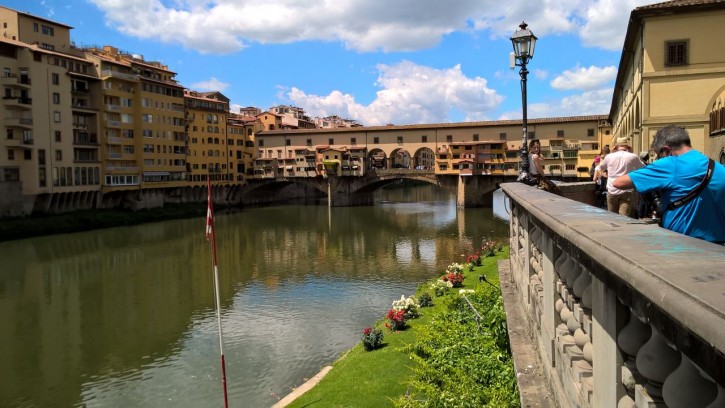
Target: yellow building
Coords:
[[672, 71], [50, 150], [569, 144], [240, 131], [142, 122], [209, 150]]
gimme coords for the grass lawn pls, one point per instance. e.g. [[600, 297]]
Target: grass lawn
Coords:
[[377, 378]]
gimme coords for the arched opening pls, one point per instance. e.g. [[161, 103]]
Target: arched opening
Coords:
[[400, 159], [377, 159], [424, 159]]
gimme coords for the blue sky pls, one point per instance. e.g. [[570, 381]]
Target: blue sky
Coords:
[[378, 62]]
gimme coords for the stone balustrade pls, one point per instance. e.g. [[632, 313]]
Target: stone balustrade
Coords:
[[621, 313]]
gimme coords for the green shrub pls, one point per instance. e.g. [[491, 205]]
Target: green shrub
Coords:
[[460, 366], [425, 300], [372, 338]]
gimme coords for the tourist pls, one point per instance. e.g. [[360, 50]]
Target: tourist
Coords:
[[536, 169], [679, 171], [620, 162], [536, 161]]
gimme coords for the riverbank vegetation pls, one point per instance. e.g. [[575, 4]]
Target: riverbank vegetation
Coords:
[[86, 220], [449, 355]]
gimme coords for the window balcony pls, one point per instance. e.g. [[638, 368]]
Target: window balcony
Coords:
[[13, 80], [25, 123]]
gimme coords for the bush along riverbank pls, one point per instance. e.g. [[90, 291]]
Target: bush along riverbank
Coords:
[[431, 349]]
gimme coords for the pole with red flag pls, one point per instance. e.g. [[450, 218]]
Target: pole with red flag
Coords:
[[211, 238]]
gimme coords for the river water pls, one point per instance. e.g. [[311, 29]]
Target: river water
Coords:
[[125, 317]]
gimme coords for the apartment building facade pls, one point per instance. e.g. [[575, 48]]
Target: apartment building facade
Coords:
[[51, 153], [672, 71], [206, 115]]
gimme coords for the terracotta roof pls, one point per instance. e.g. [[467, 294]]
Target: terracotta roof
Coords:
[[34, 47], [678, 3]]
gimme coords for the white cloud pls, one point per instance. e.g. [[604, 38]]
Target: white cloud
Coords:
[[584, 78], [211, 84], [409, 94], [595, 102], [540, 73], [225, 26]]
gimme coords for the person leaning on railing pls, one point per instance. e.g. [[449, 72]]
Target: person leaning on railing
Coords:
[[679, 171]]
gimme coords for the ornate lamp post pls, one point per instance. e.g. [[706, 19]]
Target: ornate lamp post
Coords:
[[523, 41]]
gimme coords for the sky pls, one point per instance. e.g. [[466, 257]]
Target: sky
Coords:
[[376, 62]]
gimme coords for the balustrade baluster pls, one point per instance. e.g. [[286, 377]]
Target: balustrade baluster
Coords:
[[686, 388], [655, 361]]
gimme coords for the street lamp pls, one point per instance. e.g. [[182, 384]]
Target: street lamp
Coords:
[[523, 41]]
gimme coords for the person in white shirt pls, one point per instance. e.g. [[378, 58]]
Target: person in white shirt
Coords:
[[618, 163]]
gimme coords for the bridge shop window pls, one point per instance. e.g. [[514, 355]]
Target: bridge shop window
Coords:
[[676, 52]]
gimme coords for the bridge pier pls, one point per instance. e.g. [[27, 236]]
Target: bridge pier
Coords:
[[476, 191], [347, 192]]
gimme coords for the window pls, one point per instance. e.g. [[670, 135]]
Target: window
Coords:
[[47, 30], [49, 47], [261, 143], [35, 27], [56, 116], [288, 142], [532, 135], [56, 98], [475, 137], [58, 155], [353, 141], [376, 140], [27, 154], [676, 52], [502, 136], [424, 139], [400, 139], [570, 167], [449, 138], [331, 141], [11, 154], [309, 142], [590, 132], [559, 133]]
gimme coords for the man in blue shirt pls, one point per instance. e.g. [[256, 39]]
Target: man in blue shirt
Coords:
[[679, 170]]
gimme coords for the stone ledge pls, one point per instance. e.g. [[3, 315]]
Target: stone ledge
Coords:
[[533, 387]]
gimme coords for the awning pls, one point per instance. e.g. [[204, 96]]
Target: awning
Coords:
[[156, 173]]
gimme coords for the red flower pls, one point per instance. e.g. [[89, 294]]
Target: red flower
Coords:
[[367, 331]]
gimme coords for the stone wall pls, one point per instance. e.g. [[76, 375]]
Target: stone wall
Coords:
[[621, 313]]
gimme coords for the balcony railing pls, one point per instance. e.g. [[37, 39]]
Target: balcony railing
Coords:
[[120, 75], [620, 312]]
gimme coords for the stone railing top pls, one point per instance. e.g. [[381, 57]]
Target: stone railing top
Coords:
[[682, 276]]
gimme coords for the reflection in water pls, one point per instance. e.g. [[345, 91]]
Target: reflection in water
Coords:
[[125, 316]]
